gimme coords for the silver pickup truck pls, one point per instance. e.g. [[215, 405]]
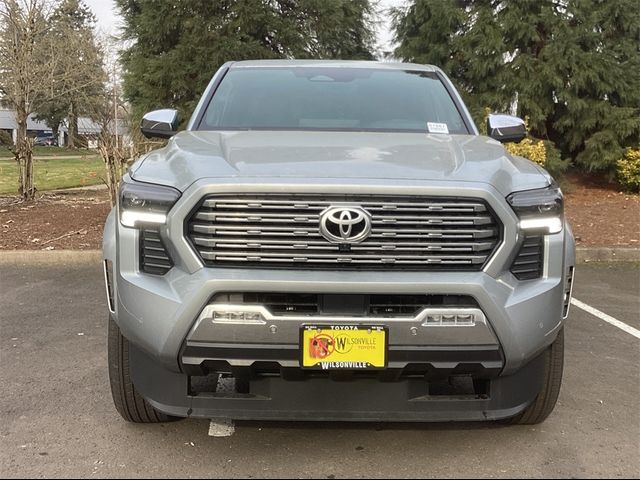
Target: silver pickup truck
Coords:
[[332, 240]]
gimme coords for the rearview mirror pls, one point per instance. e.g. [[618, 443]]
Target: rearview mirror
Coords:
[[506, 128], [160, 123]]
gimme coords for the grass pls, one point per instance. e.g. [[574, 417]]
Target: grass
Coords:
[[49, 152], [59, 172]]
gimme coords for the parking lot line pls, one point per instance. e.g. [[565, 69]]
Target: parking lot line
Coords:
[[607, 318]]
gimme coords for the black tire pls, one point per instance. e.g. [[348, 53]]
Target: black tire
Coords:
[[546, 400], [129, 403]]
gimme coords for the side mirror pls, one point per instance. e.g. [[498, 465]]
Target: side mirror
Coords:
[[160, 124], [506, 128]]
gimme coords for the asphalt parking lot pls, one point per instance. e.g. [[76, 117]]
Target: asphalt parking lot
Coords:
[[57, 419]]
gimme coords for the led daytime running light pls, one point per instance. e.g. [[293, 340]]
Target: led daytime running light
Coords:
[[547, 224], [131, 218]]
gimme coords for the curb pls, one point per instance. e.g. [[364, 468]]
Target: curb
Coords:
[[607, 254], [84, 257], [50, 257]]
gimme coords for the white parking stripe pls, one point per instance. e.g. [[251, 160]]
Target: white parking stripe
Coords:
[[607, 318]]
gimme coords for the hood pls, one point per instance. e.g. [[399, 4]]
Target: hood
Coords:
[[295, 156]]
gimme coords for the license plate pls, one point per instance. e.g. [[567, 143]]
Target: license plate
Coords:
[[343, 347]]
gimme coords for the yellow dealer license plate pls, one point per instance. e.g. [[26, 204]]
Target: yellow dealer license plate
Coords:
[[344, 347]]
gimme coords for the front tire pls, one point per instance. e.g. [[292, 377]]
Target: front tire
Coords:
[[546, 400], [128, 402]]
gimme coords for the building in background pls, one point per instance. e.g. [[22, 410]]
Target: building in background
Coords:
[[88, 130]]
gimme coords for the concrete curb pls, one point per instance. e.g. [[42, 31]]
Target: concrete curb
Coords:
[[607, 254], [83, 257], [50, 257]]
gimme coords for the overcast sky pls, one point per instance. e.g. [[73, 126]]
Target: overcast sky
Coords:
[[108, 19]]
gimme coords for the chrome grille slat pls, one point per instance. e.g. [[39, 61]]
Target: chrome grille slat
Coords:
[[281, 229], [234, 243], [336, 248], [382, 261], [268, 218], [245, 203], [267, 229], [330, 255]]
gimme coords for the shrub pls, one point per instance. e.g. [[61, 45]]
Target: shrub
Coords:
[[542, 152], [529, 148], [629, 170]]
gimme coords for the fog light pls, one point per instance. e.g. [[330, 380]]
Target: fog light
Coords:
[[229, 314], [449, 319], [442, 318], [249, 316]]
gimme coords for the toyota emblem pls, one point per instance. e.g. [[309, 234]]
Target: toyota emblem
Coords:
[[345, 224]]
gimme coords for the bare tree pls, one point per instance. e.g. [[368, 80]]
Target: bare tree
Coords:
[[23, 34], [114, 155], [117, 149], [33, 60], [120, 142], [106, 110]]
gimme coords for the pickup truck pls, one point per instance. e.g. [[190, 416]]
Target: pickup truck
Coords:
[[335, 241]]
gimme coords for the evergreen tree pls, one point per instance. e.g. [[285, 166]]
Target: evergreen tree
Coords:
[[177, 46], [463, 38], [77, 79], [53, 112], [336, 29], [598, 112], [571, 67], [480, 59], [427, 31]]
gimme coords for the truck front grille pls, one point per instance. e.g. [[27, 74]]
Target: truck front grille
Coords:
[[281, 230]]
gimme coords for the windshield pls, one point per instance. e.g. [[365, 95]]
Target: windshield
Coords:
[[330, 98]]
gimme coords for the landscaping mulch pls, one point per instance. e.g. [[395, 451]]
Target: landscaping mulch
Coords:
[[55, 221], [600, 214]]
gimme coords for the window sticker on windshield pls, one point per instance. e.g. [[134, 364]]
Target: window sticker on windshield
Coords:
[[437, 127]]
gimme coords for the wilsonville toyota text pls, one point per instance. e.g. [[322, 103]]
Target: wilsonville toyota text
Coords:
[[333, 240]]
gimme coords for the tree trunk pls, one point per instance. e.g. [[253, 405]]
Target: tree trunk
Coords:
[[113, 161], [73, 126], [55, 127], [24, 156]]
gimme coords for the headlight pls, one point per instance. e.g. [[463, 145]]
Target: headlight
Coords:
[[540, 210], [144, 203]]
